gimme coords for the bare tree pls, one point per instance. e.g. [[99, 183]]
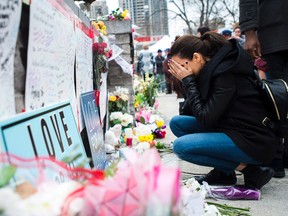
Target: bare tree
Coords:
[[232, 9], [182, 13], [210, 13]]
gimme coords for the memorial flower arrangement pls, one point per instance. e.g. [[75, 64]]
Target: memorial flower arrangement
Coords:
[[118, 100], [138, 185], [145, 91], [101, 53], [128, 187], [119, 14], [125, 120], [155, 122], [100, 26]]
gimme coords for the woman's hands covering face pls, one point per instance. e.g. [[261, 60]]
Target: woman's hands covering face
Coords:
[[179, 71]]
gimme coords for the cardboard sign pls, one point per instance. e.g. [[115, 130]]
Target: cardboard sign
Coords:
[[49, 131], [94, 129]]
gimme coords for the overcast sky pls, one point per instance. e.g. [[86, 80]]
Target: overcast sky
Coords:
[[112, 4]]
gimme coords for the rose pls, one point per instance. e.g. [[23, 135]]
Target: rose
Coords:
[[112, 98]]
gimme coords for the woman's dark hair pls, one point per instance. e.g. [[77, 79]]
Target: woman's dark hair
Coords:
[[203, 29], [207, 45]]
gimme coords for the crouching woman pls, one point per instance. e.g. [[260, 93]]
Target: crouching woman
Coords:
[[222, 122]]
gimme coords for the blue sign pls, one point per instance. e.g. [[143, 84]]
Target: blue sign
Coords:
[[94, 129], [49, 131]]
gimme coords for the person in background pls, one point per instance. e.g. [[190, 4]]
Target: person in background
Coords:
[[265, 26], [222, 126], [168, 76], [201, 30], [159, 59], [238, 36], [145, 62], [226, 34]]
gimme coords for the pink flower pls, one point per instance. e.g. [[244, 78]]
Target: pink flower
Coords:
[[156, 104], [111, 17]]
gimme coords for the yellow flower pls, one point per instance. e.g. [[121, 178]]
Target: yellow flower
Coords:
[[103, 28], [124, 13], [95, 25], [159, 123], [101, 23], [136, 104], [145, 138], [112, 98]]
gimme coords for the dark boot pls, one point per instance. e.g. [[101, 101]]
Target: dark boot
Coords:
[[216, 177], [257, 176], [278, 166]]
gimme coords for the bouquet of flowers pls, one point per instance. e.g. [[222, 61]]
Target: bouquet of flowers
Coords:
[[118, 100], [154, 121], [145, 92], [100, 26], [125, 120], [119, 14], [101, 52]]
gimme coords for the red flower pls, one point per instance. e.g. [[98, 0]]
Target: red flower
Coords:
[[95, 47]]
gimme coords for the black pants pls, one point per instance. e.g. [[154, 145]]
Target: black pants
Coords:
[[278, 69]]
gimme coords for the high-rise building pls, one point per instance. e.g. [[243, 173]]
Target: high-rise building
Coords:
[[151, 16]]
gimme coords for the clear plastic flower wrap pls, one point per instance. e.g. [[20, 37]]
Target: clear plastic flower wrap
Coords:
[[231, 192]]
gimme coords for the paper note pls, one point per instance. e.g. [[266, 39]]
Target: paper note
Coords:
[[51, 56], [10, 12]]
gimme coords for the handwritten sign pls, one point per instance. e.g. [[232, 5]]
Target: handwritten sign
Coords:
[[84, 75], [94, 130], [51, 56], [10, 12]]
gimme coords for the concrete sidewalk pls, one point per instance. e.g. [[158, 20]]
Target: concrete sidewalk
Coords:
[[274, 195]]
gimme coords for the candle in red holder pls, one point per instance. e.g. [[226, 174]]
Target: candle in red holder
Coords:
[[129, 142]]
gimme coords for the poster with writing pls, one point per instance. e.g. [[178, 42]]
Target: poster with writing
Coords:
[[10, 13], [51, 56], [84, 69], [94, 130], [48, 131]]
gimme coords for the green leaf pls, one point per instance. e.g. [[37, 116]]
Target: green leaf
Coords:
[[100, 40], [142, 120], [6, 173]]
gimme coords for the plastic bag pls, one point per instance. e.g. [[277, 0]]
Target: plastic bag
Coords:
[[232, 192]]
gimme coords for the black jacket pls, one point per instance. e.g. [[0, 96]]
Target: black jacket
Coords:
[[270, 19], [224, 98]]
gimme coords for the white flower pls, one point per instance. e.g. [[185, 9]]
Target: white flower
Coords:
[[124, 97], [126, 119], [211, 210], [194, 186], [50, 197], [121, 90], [192, 203], [11, 203], [116, 116], [142, 147], [152, 127], [142, 130]]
